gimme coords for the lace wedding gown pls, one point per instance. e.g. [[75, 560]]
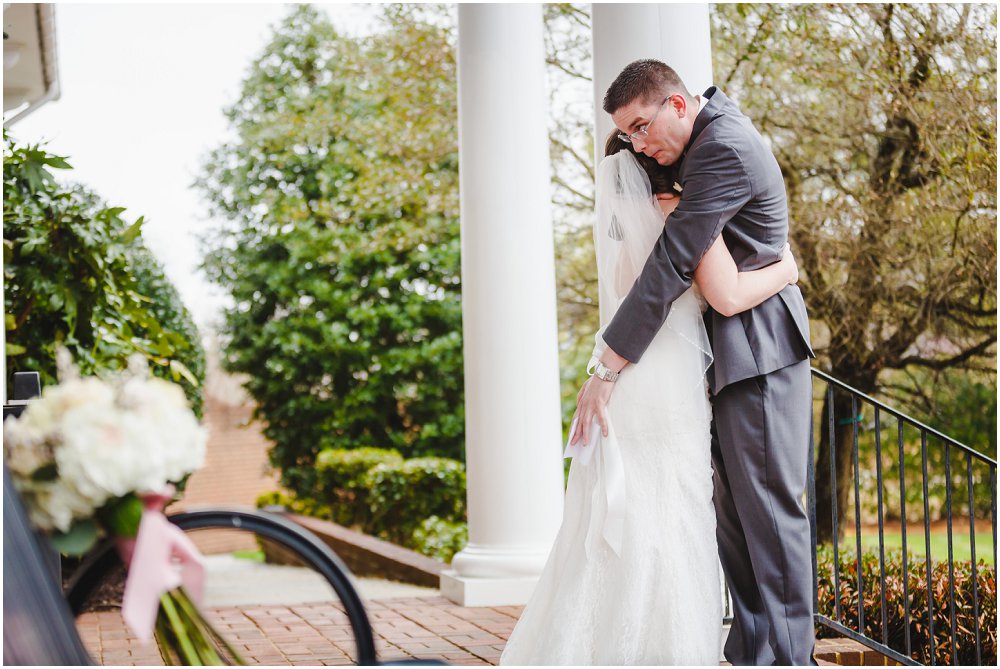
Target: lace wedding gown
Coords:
[[633, 576]]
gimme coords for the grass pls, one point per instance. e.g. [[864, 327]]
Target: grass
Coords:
[[915, 544], [255, 556]]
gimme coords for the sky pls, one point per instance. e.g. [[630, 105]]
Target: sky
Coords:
[[143, 92]]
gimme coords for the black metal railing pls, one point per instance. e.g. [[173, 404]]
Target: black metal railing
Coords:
[[918, 452]]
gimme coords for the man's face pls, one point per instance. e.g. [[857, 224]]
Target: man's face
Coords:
[[668, 133]]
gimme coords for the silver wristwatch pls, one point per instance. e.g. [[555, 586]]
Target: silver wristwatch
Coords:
[[604, 373]]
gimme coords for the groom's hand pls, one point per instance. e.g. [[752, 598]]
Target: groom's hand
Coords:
[[591, 403]]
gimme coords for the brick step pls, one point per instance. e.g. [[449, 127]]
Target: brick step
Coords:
[[847, 652]]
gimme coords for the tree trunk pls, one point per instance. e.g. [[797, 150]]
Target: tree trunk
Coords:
[[844, 424], [843, 462]]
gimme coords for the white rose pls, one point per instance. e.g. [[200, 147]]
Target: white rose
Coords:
[[107, 439], [175, 440], [90, 392], [93, 454], [56, 506], [26, 447]]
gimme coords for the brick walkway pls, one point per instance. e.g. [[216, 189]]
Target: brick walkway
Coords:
[[236, 472], [236, 469], [318, 634]]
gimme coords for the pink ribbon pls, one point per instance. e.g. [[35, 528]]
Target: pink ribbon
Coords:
[[160, 558]]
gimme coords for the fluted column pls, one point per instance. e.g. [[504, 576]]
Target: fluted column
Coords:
[[513, 428], [679, 35]]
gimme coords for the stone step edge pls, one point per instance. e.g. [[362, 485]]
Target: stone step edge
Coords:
[[848, 652], [366, 555]]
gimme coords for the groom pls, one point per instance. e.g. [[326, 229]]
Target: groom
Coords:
[[760, 382]]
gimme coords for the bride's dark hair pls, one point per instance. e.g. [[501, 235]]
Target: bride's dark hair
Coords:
[[661, 178]]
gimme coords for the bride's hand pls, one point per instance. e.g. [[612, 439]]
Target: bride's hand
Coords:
[[590, 403], [668, 202], [788, 261]]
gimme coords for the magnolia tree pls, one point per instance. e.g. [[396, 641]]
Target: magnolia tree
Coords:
[[342, 245]]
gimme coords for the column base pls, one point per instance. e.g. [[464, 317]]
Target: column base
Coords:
[[466, 591], [722, 644]]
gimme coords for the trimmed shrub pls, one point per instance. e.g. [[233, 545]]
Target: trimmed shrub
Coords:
[[302, 506], [417, 503], [917, 587], [440, 538], [403, 495], [340, 480]]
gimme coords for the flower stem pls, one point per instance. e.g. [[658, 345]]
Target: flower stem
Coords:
[[165, 640], [188, 654], [212, 637]]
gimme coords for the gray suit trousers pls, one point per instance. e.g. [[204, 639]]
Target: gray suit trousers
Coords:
[[760, 448]]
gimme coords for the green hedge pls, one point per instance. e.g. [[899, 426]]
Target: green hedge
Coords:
[[417, 503], [918, 594], [304, 506], [440, 538], [340, 481], [403, 495]]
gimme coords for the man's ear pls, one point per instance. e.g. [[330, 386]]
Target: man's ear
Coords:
[[680, 105]]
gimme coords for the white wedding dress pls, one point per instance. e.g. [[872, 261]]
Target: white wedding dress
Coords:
[[633, 576]]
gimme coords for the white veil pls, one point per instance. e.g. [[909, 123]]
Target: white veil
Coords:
[[629, 222]]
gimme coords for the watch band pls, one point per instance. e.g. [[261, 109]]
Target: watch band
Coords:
[[605, 373]]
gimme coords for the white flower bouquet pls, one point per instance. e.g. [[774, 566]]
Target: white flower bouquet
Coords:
[[98, 457]]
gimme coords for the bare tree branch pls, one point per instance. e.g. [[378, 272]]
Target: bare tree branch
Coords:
[[944, 363]]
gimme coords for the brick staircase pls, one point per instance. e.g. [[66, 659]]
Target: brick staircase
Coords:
[[236, 469]]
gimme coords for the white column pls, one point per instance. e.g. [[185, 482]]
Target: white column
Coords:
[[679, 35], [513, 425]]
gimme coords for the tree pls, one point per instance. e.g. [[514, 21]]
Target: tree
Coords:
[[77, 275], [342, 246], [883, 119], [571, 140]]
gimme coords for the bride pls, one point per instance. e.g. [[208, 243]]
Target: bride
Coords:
[[633, 576]]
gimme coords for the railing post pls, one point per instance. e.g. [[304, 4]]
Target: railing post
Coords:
[[927, 546], [811, 504], [902, 514], [972, 548], [833, 498], [951, 554], [881, 527], [857, 516], [949, 445]]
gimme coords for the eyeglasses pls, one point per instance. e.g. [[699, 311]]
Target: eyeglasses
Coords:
[[643, 130]]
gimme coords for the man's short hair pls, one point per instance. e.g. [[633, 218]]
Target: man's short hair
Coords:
[[646, 80]]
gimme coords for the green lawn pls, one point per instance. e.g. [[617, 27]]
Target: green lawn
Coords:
[[915, 544]]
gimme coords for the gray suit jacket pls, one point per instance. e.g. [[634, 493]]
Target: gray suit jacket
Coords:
[[731, 186]]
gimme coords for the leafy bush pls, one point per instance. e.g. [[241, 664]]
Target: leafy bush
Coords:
[[917, 586], [417, 503], [78, 275], [403, 495], [340, 480], [303, 506], [440, 538]]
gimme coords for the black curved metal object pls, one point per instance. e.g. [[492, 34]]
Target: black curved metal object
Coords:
[[310, 549], [38, 628]]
